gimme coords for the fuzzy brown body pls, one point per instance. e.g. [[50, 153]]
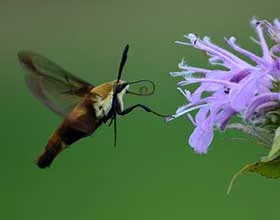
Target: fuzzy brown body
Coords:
[[85, 118]]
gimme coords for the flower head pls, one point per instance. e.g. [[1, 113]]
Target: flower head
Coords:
[[240, 87]]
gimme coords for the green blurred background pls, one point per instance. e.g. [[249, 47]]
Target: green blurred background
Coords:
[[153, 173]]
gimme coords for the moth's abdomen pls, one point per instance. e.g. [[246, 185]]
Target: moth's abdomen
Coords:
[[60, 139], [80, 123], [54, 147]]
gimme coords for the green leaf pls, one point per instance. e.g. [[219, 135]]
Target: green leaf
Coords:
[[263, 135], [269, 169], [275, 147]]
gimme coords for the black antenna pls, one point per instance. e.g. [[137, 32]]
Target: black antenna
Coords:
[[124, 58]]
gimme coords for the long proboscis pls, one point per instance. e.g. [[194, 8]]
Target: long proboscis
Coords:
[[145, 87]]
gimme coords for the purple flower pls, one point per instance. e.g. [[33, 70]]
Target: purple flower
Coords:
[[239, 88]]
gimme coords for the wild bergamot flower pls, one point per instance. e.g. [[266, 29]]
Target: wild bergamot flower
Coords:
[[240, 88]]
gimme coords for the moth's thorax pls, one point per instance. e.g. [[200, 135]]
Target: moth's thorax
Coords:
[[102, 97], [103, 90]]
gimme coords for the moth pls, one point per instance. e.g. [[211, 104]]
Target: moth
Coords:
[[84, 107]]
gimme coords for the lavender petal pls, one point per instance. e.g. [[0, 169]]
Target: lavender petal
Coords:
[[200, 140]]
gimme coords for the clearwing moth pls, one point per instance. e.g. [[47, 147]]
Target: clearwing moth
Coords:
[[84, 107]]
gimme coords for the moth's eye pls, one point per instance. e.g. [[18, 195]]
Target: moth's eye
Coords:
[[120, 87]]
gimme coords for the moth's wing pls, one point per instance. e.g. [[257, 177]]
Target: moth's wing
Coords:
[[55, 87]]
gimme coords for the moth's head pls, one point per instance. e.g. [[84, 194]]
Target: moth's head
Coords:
[[121, 87]]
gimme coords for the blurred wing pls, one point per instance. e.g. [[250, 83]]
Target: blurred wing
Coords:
[[56, 88]]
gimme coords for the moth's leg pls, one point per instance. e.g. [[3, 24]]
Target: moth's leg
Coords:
[[111, 121]]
